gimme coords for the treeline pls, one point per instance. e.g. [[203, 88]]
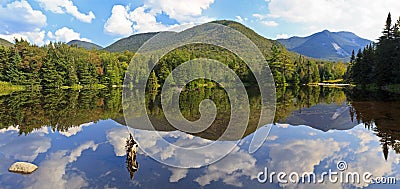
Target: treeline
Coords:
[[378, 64], [302, 70], [286, 69], [57, 64]]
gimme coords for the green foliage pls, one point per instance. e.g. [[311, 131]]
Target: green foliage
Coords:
[[378, 64], [59, 65]]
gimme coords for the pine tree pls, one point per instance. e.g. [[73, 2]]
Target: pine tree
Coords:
[[50, 78], [13, 75]]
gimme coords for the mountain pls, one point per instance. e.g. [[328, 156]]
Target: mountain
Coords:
[[131, 43], [326, 45], [134, 42], [6, 43], [264, 44], [85, 44]]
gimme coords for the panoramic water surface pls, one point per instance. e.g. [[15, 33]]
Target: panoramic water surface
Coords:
[[78, 139]]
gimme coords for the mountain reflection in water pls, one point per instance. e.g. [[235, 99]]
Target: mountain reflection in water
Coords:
[[82, 134]]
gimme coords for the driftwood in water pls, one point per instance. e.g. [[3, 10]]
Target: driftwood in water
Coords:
[[131, 150]]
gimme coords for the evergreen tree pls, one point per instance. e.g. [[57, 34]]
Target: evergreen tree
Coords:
[[50, 78]]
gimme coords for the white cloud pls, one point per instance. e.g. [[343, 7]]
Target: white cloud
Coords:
[[269, 23], [66, 6], [124, 22], [53, 171], [119, 22], [25, 148], [19, 17], [259, 16], [182, 11], [282, 36], [66, 34], [36, 36], [365, 18], [230, 169], [177, 174], [75, 130], [240, 19], [146, 21], [117, 138], [262, 19]]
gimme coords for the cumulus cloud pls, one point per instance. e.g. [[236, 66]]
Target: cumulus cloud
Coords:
[[66, 6], [66, 34], [180, 10], [186, 149], [36, 36], [25, 148], [229, 170], [52, 172], [124, 21], [117, 138], [19, 17], [146, 21], [365, 18], [177, 174], [119, 22]]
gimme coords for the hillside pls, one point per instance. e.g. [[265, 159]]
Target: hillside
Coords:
[[6, 43], [85, 44], [131, 43], [326, 45], [262, 43]]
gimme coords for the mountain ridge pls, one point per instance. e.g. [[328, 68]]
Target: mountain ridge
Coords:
[[5, 43], [85, 44], [333, 46], [130, 43]]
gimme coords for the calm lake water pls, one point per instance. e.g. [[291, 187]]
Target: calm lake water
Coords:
[[78, 138]]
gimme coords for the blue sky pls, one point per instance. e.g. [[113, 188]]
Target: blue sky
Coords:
[[105, 21]]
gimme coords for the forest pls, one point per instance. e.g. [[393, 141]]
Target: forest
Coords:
[[378, 65], [58, 65]]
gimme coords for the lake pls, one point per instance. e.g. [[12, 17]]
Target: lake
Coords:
[[78, 138]]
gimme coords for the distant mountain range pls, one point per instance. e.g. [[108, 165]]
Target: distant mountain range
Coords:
[[326, 45], [85, 44]]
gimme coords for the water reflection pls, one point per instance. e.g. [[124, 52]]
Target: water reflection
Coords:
[[379, 112], [60, 109], [63, 133]]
